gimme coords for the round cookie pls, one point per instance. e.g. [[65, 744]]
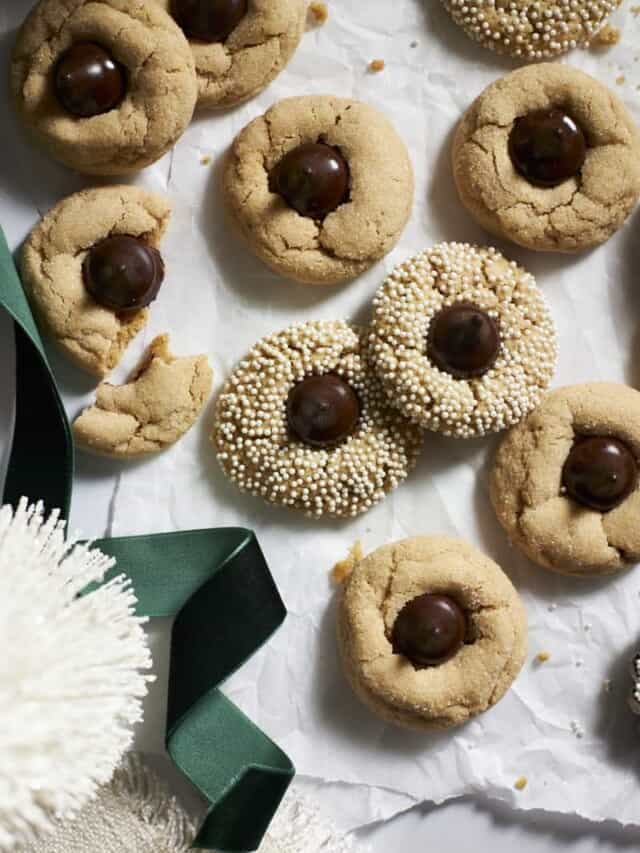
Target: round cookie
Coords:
[[239, 66], [140, 46], [52, 266], [531, 29], [343, 466], [153, 410], [543, 460], [462, 340], [353, 236], [475, 677], [577, 213]]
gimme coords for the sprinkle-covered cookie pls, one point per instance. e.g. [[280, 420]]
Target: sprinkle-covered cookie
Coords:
[[239, 46], [431, 631], [565, 482], [107, 87], [462, 340], [548, 157], [303, 422], [91, 268], [531, 29], [159, 404], [321, 187]]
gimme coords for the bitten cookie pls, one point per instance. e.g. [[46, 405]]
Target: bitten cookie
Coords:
[[153, 410], [106, 87], [90, 268], [462, 340], [531, 29], [431, 632], [302, 422], [239, 46], [548, 157], [321, 188], [565, 481]]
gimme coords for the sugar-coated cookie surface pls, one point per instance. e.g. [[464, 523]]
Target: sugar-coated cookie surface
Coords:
[[407, 307], [259, 452], [467, 684], [580, 212], [255, 52], [159, 73], [528, 487], [153, 410], [51, 265], [354, 236], [531, 29]]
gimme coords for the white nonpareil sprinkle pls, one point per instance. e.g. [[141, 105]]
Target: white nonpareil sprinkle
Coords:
[[71, 673], [257, 452], [531, 29], [404, 308]]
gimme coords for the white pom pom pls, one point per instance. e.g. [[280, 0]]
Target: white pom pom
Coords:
[[71, 673]]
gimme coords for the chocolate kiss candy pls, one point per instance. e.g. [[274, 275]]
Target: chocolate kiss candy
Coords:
[[123, 273], [600, 472], [463, 340], [323, 410], [547, 147], [429, 630], [313, 179], [88, 81], [208, 20]]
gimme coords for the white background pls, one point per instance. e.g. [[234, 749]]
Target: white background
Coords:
[[437, 78]]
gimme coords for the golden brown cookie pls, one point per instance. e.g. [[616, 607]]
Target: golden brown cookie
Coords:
[[431, 632], [234, 67], [158, 405], [106, 87], [302, 422], [323, 244], [52, 267], [531, 29], [564, 483], [462, 340], [548, 157]]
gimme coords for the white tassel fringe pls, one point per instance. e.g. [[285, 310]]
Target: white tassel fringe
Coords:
[[71, 673]]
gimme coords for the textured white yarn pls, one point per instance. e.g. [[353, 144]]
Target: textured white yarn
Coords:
[[71, 673], [299, 827], [134, 813]]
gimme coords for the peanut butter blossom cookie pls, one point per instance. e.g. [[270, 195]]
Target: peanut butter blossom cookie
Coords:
[[531, 29], [91, 268], [320, 187], [431, 632], [239, 46], [108, 87], [565, 481], [548, 157], [303, 422], [158, 405], [462, 340]]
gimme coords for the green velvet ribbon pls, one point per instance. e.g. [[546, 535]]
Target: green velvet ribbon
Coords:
[[215, 582]]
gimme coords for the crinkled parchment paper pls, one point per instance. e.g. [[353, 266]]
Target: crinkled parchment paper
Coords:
[[564, 725]]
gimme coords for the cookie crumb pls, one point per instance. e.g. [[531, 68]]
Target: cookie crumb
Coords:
[[341, 571], [543, 657], [606, 37], [377, 65], [521, 783], [577, 729], [319, 13], [621, 80], [206, 160]]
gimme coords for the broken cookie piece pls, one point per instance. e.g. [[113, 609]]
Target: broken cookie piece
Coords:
[[153, 410]]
